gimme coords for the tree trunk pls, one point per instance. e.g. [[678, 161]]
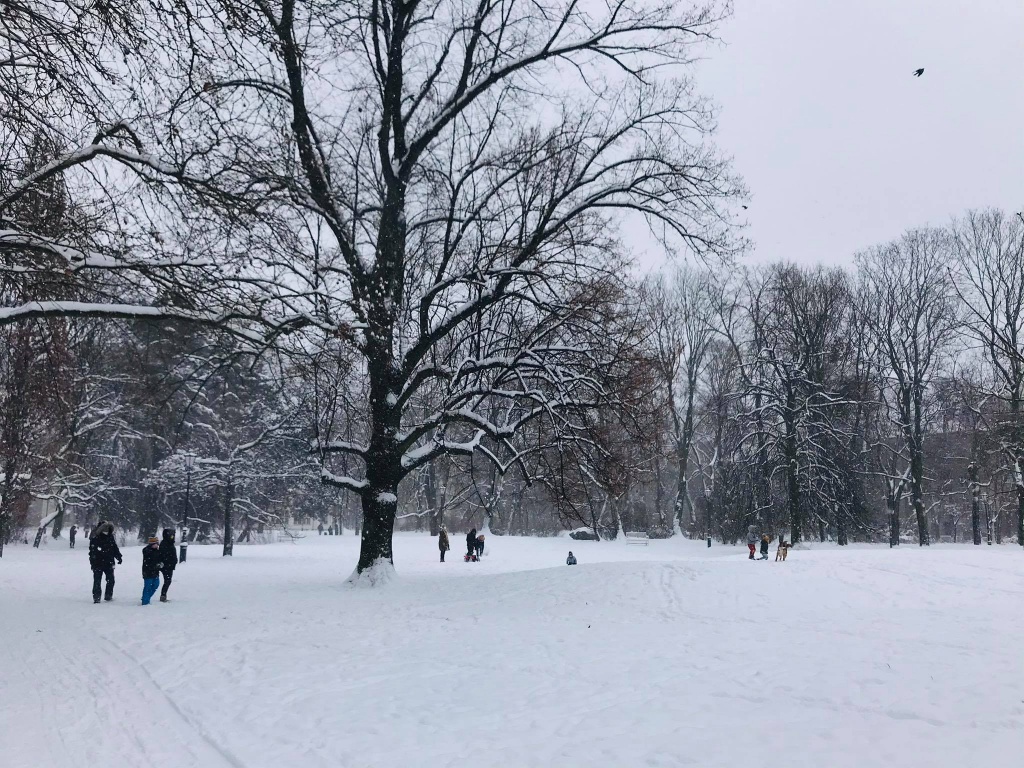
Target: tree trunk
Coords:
[[1019, 478], [228, 533], [792, 475], [917, 496], [430, 494], [972, 472], [58, 521], [841, 536], [893, 500]]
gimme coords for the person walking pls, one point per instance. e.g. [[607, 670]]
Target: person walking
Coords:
[[442, 541], [103, 552], [764, 546], [150, 569], [71, 535], [320, 530], [168, 561], [471, 544], [571, 559], [751, 541]]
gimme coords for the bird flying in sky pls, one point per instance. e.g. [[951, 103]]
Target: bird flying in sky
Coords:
[[918, 72]]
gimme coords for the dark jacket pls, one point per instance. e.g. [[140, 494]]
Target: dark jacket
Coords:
[[571, 559], [103, 549], [150, 561], [471, 541], [442, 541], [168, 554], [73, 531], [764, 546]]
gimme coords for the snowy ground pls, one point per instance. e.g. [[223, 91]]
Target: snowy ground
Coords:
[[670, 655]]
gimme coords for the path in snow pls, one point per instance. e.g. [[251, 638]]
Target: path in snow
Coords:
[[668, 655]]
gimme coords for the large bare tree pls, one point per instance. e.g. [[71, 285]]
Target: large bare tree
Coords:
[[909, 304]]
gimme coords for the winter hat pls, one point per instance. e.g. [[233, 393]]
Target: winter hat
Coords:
[[153, 540]]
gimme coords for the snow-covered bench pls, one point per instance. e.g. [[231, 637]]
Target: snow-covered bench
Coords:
[[637, 537]]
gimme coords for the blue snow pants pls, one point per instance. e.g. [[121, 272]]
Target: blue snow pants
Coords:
[[149, 588]]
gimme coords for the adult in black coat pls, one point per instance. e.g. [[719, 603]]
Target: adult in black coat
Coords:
[[168, 561], [103, 552], [471, 542], [71, 535]]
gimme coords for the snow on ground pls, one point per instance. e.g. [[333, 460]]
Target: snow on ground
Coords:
[[667, 655]]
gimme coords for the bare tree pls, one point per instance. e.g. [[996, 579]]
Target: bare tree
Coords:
[[989, 250], [910, 306], [682, 311]]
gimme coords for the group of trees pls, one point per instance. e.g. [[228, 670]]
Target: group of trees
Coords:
[[409, 206], [362, 261]]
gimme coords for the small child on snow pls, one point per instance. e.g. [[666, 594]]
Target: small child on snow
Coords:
[[150, 569], [571, 559], [764, 546]]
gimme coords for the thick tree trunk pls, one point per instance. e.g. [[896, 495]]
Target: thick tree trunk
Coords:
[[893, 500], [383, 474], [841, 537], [58, 521]]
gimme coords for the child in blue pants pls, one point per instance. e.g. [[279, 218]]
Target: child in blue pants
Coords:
[[150, 569]]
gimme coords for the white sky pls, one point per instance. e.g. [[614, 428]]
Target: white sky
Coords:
[[840, 146]]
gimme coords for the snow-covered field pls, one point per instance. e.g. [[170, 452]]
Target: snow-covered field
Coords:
[[669, 655]]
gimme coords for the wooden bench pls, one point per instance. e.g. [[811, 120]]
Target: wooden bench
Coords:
[[638, 537]]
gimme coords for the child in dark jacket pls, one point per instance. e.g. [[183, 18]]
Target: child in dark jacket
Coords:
[[764, 546], [168, 561], [571, 559], [150, 569]]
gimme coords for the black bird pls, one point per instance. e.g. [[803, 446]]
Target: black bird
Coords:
[[744, 207], [918, 72]]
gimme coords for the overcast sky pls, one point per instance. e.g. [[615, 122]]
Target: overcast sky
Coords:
[[840, 146]]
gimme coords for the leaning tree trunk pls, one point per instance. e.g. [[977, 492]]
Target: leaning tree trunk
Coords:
[[58, 521]]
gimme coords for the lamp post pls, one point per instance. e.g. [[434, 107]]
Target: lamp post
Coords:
[[183, 546]]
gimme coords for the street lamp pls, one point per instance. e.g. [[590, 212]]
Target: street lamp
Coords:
[[183, 546]]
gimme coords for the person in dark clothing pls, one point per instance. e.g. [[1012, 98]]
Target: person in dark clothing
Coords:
[[168, 561], [442, 541], [571, 559], [764, 546], [71, 535], [150, 569], [480, 546], [103, 552], [471, 543], [320, 530]]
